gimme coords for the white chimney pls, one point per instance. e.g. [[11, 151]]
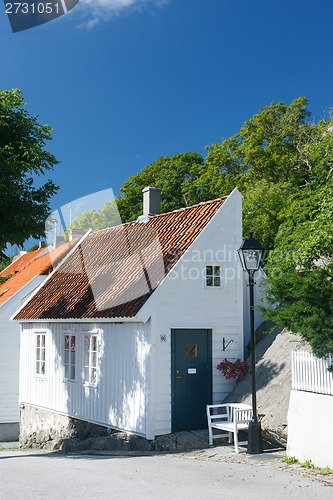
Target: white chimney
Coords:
[[151, 200], [75, 233], [58, 240]]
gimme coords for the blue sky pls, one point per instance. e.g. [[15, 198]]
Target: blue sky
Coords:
[[125, 81]]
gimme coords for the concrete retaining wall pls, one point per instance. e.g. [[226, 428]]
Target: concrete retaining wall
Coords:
[[310, 433]]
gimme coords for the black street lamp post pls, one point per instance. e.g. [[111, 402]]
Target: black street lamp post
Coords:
[[250, 254]]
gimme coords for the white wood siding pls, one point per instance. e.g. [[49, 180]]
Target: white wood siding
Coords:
[[119, 398], [10, 353], [9, 372]]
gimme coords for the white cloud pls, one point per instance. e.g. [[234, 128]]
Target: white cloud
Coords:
[[94, 11]]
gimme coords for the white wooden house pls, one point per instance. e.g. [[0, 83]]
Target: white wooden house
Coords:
[[127, 332], [27, 273]]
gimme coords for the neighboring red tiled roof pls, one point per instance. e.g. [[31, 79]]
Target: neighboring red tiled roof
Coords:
[[21, 262], [112, 273], [42, 265]]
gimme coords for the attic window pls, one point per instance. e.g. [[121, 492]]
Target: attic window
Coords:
[[213, 276]]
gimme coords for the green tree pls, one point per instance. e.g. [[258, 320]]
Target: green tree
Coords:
[[283, 164], [24, 205], [269, 147], [300, 269], [265, 207], [175, 175], [94, 219]]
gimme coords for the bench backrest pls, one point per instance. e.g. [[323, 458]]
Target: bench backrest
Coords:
[[230, 412]]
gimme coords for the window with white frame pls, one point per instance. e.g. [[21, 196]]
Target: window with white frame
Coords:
[[40, 353], [69, 355], [213, 276], [90, 358]]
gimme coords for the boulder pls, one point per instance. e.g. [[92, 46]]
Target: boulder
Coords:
[[273, 380]]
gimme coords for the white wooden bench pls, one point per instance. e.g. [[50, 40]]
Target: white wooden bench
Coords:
[[229, 418]]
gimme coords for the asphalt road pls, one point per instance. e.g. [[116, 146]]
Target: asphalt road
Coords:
[[30, 475]]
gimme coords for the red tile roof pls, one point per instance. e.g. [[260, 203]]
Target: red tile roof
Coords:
[[113, 272], [42, 265], [21, 262]]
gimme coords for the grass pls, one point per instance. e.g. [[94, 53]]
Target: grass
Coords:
[[290, 460], [326, 471], [308, 464]]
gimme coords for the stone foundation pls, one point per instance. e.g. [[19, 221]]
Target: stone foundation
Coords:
[[55, 432], [40, 428]]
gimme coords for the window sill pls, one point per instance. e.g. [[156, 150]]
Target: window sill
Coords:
[[89, 385], [69, 381]]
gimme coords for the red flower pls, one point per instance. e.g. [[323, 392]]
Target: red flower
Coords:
[[232, 369]]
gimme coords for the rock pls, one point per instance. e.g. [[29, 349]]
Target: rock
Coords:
[[273, 380], [180, 441]]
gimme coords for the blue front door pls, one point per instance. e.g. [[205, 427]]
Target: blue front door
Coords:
[[191, 377]]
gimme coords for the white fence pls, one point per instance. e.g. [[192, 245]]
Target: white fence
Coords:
[[310, 373]]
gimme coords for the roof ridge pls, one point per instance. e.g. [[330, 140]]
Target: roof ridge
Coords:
[[150, 217], [190, 206]]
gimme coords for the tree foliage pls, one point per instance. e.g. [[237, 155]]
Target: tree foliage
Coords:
[[94, 219], [267, 147], [24, 199], [175, 175], [300, 269]]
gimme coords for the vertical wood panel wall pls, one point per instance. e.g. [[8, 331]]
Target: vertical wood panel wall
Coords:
[[117, 400]]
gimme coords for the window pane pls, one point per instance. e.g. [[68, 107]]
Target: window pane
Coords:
[[66, 342], [191, 350], [42, 366], [66, 371], [217, 270], [37, 366], [93, 375], [94, 343], [94, 359], [38, 340], [86, 373], [86, 344], [209, 281], [43, 340], [72, 358], [73, 343], [72, 375], [66, 357], [209, 270], [217, 281]]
